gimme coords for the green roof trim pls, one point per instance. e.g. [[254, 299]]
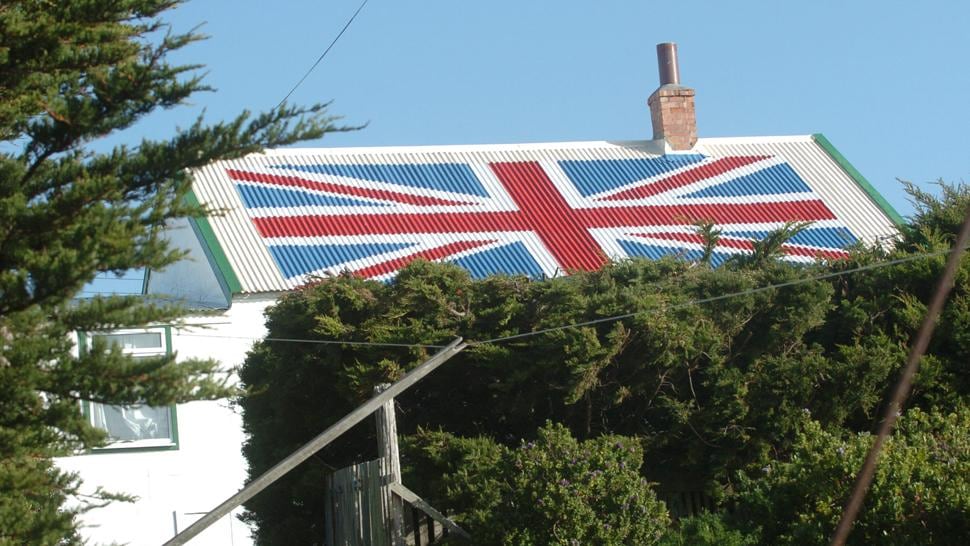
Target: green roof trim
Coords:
[[859, 179], [213, 249]]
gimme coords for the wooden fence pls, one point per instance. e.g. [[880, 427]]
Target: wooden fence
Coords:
[[683, 504], [388, 450], [367, 505], [358, 510], [357, 506]]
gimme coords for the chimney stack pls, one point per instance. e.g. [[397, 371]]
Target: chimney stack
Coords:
[[672, 105]]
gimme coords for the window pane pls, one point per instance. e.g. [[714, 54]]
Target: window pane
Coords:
[[132, 423], [136, 340]]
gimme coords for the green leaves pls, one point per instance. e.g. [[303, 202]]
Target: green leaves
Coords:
[[551, 490], [71, 74], [920, 491], [709, 391]]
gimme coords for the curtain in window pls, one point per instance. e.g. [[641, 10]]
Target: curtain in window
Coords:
[[132, 423]]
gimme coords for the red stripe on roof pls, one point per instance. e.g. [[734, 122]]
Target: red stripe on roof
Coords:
[[295, 181], [601, 217], [744, 244], [557, 224]]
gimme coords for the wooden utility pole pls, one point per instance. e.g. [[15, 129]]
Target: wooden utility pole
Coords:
[[387, 450], [895, 406]]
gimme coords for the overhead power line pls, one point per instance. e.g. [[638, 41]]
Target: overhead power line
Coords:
[[613, 318], [324, 54], [702, 301], [316, 341]]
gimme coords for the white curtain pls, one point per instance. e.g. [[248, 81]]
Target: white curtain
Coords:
[[132, 423]]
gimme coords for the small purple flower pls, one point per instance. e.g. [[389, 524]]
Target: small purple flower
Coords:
[[564, 482]]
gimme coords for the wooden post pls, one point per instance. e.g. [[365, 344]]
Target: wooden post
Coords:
[[387, 449]]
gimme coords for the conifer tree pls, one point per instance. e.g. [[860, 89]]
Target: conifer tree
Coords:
[[72, 74]]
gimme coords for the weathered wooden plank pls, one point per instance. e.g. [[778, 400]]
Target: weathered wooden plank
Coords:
[[414, 499], [378, 522], [328, 538], [388, 451], [357, 508]]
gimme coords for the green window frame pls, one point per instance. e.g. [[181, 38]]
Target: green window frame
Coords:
[[93, 410]]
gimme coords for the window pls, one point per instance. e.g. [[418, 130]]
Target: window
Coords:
[[136, 426], [133, 423]]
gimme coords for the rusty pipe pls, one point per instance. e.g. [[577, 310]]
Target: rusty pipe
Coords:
[[667, 63]]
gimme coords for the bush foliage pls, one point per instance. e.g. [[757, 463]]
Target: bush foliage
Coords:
[[920, 492], [711, 372], [553, 490]]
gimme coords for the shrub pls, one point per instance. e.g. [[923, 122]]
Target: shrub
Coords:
[[554, 490], [920, 493]]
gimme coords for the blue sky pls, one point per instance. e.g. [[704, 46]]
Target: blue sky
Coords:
[[887, 82]]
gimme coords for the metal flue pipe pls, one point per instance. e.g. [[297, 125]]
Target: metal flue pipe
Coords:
[[667, 63]]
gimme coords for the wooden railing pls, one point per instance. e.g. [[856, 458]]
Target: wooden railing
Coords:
[[359, 505], [684, 504], [367, 505]]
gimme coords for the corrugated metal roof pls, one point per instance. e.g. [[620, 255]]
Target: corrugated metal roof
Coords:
[[537, 209]]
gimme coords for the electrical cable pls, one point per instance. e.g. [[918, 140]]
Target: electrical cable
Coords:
[[747, 292], [317, 341], [613, 318], [324, 54]]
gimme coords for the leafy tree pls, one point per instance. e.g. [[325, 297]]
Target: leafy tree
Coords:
[[681, 378], [553, 490], [920, 493], [708, 390], [71, 74]]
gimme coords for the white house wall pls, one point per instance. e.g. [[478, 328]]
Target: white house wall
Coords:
[[208, 465]]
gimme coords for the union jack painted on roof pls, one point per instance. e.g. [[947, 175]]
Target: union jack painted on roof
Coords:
[[542, 217]]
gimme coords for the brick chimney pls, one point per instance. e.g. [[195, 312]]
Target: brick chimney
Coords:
[[672, 105]]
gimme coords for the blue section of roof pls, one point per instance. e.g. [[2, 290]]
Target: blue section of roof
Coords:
[[262, 196], [600, 175], [453, 177], [826, 237], [655, 252], [296, 260], [770, 181], [511, 259]]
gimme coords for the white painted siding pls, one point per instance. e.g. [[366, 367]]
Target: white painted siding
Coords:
[[207, 468]]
